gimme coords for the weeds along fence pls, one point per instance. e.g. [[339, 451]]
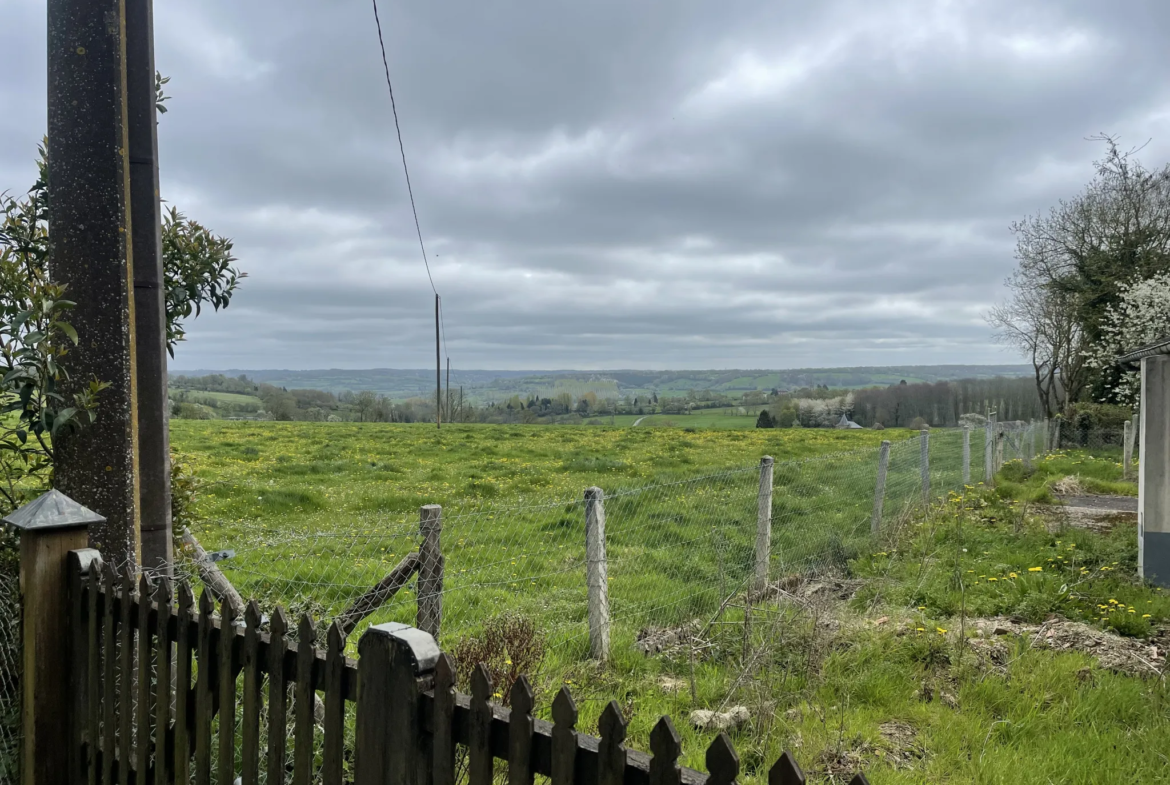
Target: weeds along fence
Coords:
[[615, 564]]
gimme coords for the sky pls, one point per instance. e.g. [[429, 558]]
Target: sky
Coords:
[[623, 184]]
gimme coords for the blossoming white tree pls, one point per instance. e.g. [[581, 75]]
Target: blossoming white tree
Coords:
[[1141, 316]]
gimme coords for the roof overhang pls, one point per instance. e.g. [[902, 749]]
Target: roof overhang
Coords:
[[1161, 346]]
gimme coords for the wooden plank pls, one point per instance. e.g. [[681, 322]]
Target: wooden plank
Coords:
[[204, 690], [163, 765], [227, 692], [564, 738], [333, 757], [611, 751], [479, 732], [305, 696], [520, 726], [183, 646], [126, 676], [78, 565], [430, 570], [785, 771], [109, 675], [378, 595], [145, 661], [277, 697], [722, 761], [373, 720], [97, 609], [443, 717], [250, 721], [666, 746]]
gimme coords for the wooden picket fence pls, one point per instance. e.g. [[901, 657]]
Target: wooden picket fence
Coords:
[[158, 698]]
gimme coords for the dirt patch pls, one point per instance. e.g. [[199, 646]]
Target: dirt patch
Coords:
[[1115, 653], [1100, 502], [670, 640], [1059, 517], [808, 588]]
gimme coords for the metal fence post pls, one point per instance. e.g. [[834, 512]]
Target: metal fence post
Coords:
[[879, 491], [50, 527], [924, 460], [764, 523], [988, 454], [430, 570], [1027, 446], [596, 573], [966, 455], [1126, 450]]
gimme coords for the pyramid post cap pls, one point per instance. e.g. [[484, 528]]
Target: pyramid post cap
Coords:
[[52, 510]]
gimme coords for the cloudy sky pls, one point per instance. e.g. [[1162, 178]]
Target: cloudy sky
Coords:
[[647, 184]]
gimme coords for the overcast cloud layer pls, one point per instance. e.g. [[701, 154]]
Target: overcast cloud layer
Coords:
[[674, 184]]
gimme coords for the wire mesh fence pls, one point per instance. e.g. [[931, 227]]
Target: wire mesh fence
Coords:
[[10, 666]]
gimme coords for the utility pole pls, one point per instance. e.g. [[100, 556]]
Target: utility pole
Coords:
[[438, 372], [91, 254], [448, 389], [154, 459]]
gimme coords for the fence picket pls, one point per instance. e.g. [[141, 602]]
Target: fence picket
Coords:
[[110, 676], [666, 746], [859, 779], [93, 685], [126, 671], [611, 752], [250, 721], [443, 744], [303, 703], [145, 660], [722, 761], [332, 760], [479, 737], [227, 691], [564, 738], [785, 771], [520, 726], [277, 697], [204, 689], [183, 646], [162, 695]]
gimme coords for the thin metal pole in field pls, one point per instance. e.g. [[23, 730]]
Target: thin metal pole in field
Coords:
[[879, 492], [438, 372]]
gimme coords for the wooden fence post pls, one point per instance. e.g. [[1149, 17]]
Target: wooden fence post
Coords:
[[879, 491], [430, 570], [966, 455], [596, 573], [51, 714], [764, 523], [988, 454], [1028, 445], [1126, 450], [396, 664], [1056, 435], [924, 461]]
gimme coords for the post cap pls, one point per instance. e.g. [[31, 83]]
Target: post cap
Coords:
[[422, 647], [52, 510]]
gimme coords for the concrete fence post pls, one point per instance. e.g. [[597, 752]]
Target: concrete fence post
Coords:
[[1153, 478], [1126, 449], [924, 460], [988, 453], [50, 528], [1028, 445], [430, 570], [764, 523], [596, 573], [966, 455], [1056, 435], [879, 491]]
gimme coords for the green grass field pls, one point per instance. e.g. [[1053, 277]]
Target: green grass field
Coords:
[[311, 506]]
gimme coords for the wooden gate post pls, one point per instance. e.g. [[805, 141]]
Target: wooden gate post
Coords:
[[396, 664], [879, 491], [50, 528], [596, 573], [430, 570], [764, 523]]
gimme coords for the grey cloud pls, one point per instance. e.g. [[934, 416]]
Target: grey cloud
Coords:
[[649, 184]]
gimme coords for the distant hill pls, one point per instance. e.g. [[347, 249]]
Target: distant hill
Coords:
[[487, 385]]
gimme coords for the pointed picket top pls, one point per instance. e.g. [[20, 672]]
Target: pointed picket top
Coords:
[[227, 615], [785, 771], [145, 588], [278, 626], [444, 672], [306, 631], [186, 599], [252, 615], [665, 742], [481, 684], [162, 593], [521, 699], [129, 588], [52, 510], [722, 761], [564, 709], [859, 779], [611, 726], [206, 603], [335, 638]]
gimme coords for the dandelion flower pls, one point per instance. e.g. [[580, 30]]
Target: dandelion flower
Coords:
[[1035, 569], [941, 631]]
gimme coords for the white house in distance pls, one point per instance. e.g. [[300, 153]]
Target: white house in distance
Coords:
[[1154, 461]]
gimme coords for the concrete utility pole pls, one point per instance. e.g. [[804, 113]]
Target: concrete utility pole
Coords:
[[154, 458], [438, 372], [90, 253]]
